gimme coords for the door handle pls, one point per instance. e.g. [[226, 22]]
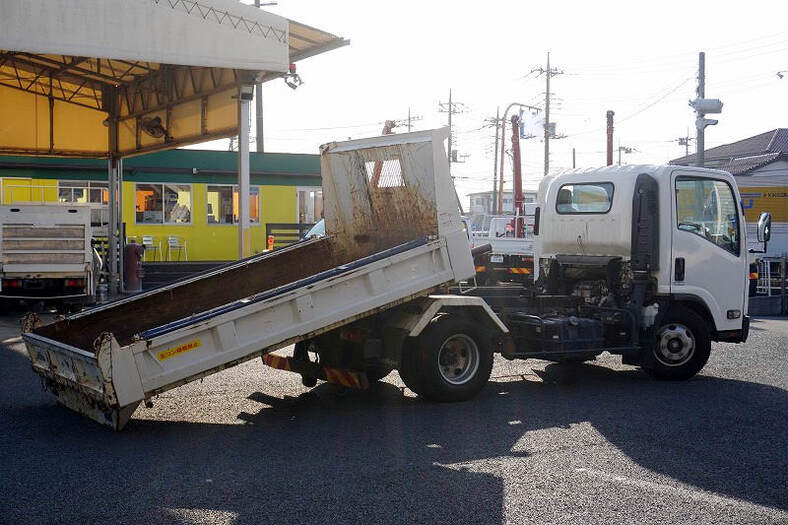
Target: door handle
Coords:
[[678, 272]]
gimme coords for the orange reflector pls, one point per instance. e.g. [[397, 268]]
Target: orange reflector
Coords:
[[481, 269], [342, 377], [278, 362], [526, 271], [753, 275]]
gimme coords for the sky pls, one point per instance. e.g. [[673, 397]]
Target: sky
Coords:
[[638, 59]]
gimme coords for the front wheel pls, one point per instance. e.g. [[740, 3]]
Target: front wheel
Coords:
[[451, 360], [682, 346]]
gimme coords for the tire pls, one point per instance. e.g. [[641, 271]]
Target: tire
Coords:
[[451, 360], [682, 346]]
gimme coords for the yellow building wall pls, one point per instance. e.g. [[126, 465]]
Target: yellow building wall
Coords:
[[21, 190], [204, 242], [210, 242]]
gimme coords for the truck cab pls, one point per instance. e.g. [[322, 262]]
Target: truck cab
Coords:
[[661, 246]]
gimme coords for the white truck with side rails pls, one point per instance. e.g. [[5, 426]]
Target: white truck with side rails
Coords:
[[511, 254], [624, 267], [46, 255]]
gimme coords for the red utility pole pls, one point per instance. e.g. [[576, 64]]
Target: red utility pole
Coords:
[[517, 175]]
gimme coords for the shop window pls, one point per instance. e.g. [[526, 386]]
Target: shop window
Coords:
[[163, 203], [222, 204], [82, 191]]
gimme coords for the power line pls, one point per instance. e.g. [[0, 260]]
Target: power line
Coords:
[[670, 60], [660, 99]]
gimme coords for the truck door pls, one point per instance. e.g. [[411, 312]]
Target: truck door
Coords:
[[708, 252]]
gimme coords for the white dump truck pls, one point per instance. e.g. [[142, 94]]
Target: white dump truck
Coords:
[[395, 239], [46, 254], [647, 262]]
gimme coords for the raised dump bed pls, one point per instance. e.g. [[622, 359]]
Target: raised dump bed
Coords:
[[395, 235]]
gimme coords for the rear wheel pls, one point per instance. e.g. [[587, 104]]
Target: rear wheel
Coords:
[[451, 360], [682, 346]]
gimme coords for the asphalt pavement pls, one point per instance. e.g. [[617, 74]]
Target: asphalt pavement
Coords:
[[542, 443]]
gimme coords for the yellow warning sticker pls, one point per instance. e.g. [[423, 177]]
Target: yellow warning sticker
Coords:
[[178, 350]]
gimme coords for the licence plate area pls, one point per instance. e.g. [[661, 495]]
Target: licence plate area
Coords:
[[496, 258]]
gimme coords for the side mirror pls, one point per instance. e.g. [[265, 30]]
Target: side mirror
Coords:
[[764, 227]]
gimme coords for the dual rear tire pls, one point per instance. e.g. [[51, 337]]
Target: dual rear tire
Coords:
[[450, 361]]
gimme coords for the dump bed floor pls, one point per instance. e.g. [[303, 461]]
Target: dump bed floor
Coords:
[[195, 295]]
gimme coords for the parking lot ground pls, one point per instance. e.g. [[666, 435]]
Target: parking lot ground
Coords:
[[542, 443]]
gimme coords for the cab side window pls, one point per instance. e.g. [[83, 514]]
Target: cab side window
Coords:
[[589, 197], [707, 208]]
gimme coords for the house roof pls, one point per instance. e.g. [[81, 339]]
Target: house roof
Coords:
[[745, 155]]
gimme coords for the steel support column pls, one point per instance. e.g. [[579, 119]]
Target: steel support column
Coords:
[[112, 236], [120, 229], [244, 241]]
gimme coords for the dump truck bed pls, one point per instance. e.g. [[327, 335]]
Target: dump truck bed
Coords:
[[390, 242]]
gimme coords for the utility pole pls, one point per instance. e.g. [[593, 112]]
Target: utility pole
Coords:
[[700, 137], [548, 72], [610, 115], [684, 141], [495, 162], [702, 106], [258, 109], [547, 118], [405, 121], [451, 108], [574, 164]]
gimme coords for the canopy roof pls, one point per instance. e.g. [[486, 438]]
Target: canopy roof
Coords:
[[104, 78]]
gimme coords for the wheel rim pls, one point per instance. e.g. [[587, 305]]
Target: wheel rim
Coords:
[[458, 359], [675, 345]]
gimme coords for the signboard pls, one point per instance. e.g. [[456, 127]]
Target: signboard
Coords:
[[758, 199]]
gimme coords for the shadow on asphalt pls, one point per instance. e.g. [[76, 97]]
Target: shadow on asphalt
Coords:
[[319, 456]]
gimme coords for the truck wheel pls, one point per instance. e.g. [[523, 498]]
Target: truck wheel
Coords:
[[452, 361], [682, 347]]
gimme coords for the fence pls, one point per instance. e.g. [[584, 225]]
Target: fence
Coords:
[[772, 289], [772, 276], [286, 233]]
